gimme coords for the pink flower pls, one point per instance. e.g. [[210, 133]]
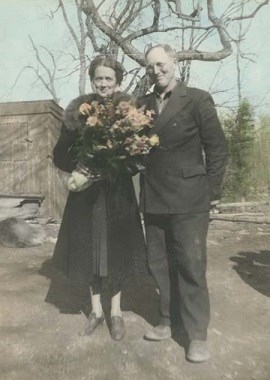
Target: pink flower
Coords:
[[92, 121], [123, 108]]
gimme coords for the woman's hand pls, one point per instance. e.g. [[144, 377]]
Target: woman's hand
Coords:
[[81, 178], [78, 181]]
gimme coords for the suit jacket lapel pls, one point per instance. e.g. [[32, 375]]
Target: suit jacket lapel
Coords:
[[176, 103]]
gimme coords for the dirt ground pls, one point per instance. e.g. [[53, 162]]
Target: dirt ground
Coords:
[[39, 339]]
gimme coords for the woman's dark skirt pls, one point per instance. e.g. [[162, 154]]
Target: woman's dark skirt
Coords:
[[101, 237]]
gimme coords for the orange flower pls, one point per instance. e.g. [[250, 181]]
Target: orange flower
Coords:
[[137, 118], [132, 112]]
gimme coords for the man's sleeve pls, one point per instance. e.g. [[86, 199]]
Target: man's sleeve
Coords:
[[214, 144]]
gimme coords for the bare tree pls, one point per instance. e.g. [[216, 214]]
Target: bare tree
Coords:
[[127, 28], [121, 24], [53, 66], [241, 57], [122, 30]]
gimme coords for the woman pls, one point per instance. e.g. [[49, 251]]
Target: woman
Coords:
[[100, 242]]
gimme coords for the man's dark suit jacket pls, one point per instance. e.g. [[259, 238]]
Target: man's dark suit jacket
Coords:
[[185, 172]]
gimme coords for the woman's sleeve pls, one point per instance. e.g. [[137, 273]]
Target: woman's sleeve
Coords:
[[72, 122], [62, 156]]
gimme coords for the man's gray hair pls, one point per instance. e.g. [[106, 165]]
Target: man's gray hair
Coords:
[[169, 50]]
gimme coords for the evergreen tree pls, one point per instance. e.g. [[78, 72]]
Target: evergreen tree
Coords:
[[240, 132]]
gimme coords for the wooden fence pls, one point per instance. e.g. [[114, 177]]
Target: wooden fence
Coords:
[[29, 131]]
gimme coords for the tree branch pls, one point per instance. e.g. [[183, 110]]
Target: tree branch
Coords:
[[132, 15], [50, 86], [90, 33], [81, 49], [178, 11], [123, 13], [72, 32], [128, 49], [210, 56], [135, 75], [125, 44], [251, 15]]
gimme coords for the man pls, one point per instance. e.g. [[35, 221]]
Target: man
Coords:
[[182, 177]]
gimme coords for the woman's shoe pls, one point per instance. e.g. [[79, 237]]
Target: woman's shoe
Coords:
[[92, 323], [117, 328]]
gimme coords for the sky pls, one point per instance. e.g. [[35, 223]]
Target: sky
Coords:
[[21, 18]]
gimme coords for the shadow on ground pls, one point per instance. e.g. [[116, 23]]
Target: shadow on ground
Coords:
[[66, 298], [141, 298], [254, 269]]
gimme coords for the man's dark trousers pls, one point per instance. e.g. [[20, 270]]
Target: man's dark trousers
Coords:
[[177, 244]]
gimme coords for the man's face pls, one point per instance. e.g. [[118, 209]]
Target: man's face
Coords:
[[160, 67]]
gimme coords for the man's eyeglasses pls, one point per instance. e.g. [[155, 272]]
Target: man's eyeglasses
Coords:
[[159, 65]]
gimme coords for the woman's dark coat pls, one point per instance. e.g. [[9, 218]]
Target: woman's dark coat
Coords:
[[76, 241]]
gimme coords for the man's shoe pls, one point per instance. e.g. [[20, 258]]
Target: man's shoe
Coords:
[[117, 328], [92, 323], [158, 333], [198, 351]]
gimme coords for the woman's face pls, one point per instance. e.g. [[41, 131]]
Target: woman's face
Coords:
[[104, 82]]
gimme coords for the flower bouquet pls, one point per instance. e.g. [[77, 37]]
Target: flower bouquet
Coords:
[[111, 142]]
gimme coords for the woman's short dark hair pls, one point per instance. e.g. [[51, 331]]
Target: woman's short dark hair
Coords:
[[107, 61]]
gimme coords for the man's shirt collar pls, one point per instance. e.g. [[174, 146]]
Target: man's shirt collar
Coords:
[[165, 94]]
